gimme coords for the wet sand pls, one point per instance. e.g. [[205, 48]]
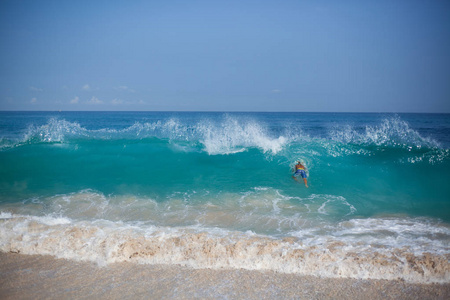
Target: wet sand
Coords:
[[44, 277]]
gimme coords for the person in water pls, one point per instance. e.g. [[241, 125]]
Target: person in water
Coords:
[[300, 170]]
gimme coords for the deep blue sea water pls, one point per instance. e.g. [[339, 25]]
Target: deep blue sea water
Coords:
[[215, 190]]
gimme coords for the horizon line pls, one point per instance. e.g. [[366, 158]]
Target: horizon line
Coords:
[[231, 111]]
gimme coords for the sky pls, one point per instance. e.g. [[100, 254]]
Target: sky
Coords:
[[303, 56]]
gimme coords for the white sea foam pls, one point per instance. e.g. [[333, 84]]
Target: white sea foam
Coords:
[[5, 215], [199, 247]]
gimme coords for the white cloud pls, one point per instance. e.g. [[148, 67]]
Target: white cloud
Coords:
[[116, 102], [33, 100], [125, 89], [75, 100], [35, 89], [95, 101], [86, 87], [276, 91]]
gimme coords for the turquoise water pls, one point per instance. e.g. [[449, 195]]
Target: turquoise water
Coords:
[[376, 181]]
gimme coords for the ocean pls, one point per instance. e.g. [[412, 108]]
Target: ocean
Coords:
[[215, 190]]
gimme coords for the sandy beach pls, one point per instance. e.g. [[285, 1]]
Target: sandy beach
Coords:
[[44, 277]]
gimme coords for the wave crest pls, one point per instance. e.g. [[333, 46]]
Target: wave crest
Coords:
[[224, 136], [54, 131], [234, 136], [392, 132]]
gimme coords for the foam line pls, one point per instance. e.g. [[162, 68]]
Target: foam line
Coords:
[[108, 242]]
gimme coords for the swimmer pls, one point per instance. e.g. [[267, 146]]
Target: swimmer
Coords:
[[300, 170]]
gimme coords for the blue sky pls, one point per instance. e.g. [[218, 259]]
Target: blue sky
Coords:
[[344, 56]]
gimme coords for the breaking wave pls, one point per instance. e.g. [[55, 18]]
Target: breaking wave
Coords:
[[229, 135], [106, 242]]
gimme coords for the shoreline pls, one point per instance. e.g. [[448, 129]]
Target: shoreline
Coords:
[[38, 277]]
